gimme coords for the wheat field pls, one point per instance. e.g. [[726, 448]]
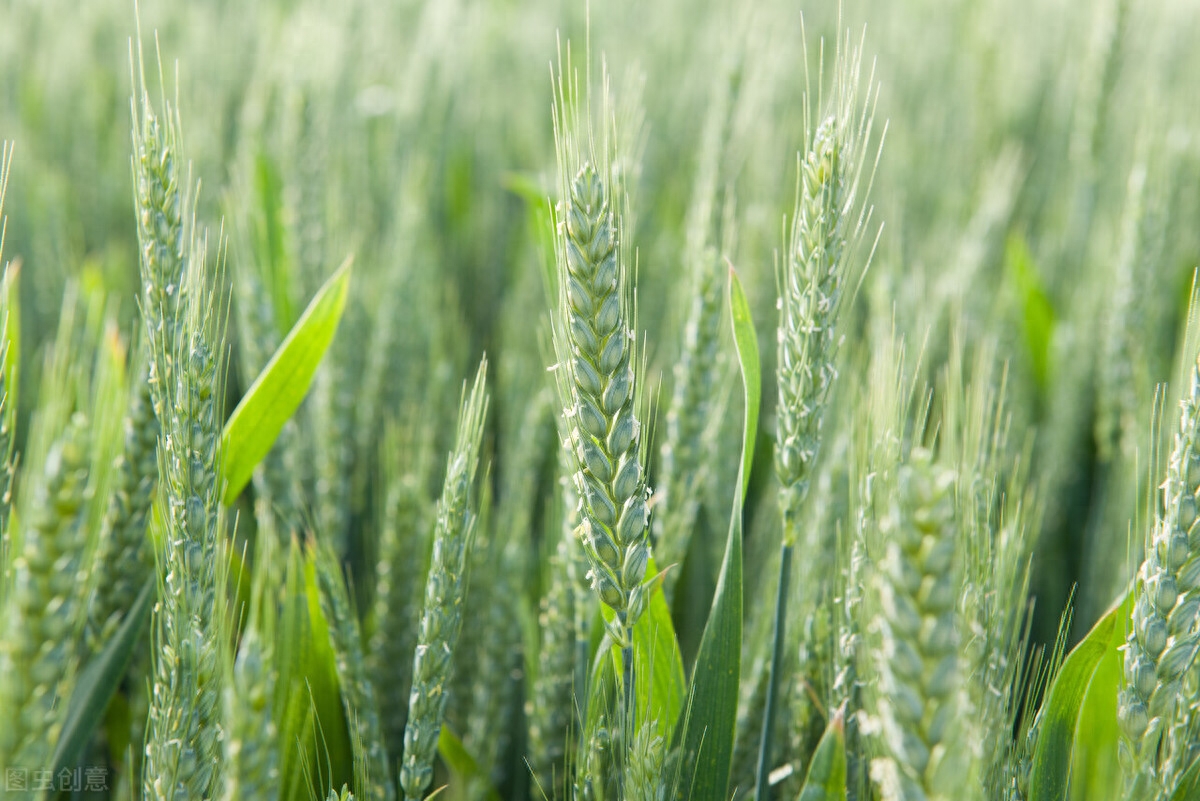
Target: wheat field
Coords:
[[503, 400]]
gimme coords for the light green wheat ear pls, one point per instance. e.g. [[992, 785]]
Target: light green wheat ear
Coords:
[[550, 710], [164, 241], [183, 749], [696, 401], [1157, 705], [445, 587], [45, 606], [596, 347], [827, 225], [917, 642]]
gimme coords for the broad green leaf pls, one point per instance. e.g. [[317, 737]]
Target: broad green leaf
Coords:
[[1060, 715], [98, 682], [708, 729], [462, 764], [1095, 766], [283, 383], [826, 780], [655, 655]]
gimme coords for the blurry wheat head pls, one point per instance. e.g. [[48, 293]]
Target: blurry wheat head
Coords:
[[827, 227], [916, 642]]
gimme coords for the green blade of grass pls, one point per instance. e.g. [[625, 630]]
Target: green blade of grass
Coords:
[[747, 350], [462, 765], [1052, 755], [826, 780], [270, 232], [1096, 763], [708, 731], [99, 681], [283, 383]]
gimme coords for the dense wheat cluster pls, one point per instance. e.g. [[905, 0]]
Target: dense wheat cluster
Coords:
[[544, 401]]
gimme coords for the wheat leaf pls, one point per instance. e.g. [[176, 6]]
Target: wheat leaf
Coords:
[[283, 383], [100, 679], [826, 780], [1051, 770], [710, 724]]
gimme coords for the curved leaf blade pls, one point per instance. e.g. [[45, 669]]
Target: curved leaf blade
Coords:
[[708, 730], [1052, 755], [462, 764], [99, 681], [826, 780], [1189, 784], [281, 386]]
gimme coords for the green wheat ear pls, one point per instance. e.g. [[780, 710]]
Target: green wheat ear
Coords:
[[596, 351], [918, 652], [183, 749], [1155, 708], [46, 603], [445, 587]]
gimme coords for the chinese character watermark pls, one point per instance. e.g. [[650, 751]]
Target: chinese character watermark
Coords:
[[87, 779]]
